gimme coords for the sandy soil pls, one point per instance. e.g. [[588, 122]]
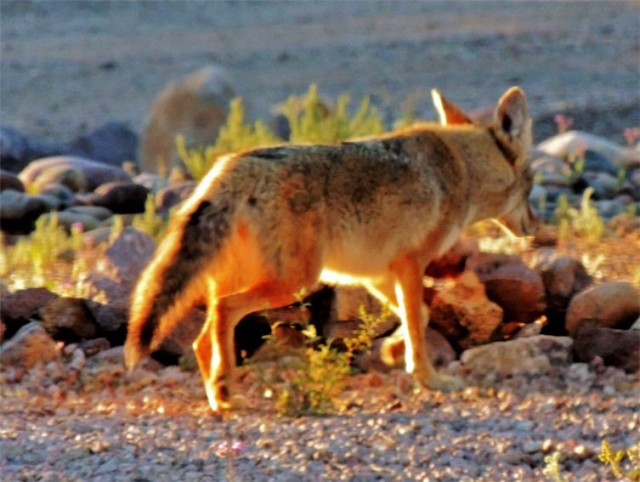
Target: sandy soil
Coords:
[[68, 67]]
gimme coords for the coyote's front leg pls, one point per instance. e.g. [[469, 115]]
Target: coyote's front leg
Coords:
[[415, 316]]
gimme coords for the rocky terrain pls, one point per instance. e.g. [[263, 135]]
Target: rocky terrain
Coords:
[[545, 331]]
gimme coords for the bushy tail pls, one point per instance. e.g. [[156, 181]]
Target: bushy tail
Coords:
[[172, 283]]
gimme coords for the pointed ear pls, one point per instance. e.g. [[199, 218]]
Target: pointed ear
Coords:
[[512, 114], [448, 112]]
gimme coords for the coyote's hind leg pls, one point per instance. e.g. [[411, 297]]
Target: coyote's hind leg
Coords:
[[214, 347]]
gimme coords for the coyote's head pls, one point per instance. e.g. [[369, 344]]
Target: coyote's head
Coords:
[[511, 130]]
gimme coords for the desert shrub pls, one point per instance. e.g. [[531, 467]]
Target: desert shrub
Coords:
[[46, 258], [311, 378], [235, 135], [317, 124]]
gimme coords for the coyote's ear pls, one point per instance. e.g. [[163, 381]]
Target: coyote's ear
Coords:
[[448, 112], [512, 115]]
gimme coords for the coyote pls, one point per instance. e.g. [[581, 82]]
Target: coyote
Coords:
[[265, 224]]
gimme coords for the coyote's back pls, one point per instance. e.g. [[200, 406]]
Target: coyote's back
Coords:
[[265, 224]]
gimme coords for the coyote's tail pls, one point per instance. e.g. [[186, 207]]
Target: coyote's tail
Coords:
[[173, 282]]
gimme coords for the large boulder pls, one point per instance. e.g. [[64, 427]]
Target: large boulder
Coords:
[[615, 304], [194, 107]]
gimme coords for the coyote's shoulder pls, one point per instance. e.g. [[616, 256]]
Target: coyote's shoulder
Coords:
[[267, 223]]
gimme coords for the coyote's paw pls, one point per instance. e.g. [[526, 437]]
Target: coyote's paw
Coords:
[[222, 399], [431, 379], [444, 382]]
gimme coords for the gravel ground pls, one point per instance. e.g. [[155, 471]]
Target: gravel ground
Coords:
[[61, 424]]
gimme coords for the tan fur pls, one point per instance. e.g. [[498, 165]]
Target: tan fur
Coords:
[[265, 224]]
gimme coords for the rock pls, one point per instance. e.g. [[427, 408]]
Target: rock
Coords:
[[604, 184], [615, 304], [464, 314], [563, 278], [531, 355], [76, 173], [94, 346], [195, 107], [63, 193], [16, 150], [30, 345], [596, 162], [17, 309], [608, 208], [111, 320], [618, 348], [8, 180], [517, 289], [113, 144], [114, 278], [568, 143], [170, 196], [19, 211], [68, 320], [120, 197], [98, 212]]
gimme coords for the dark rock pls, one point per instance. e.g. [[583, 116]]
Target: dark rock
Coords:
[[68, 320], [8, 180], [452, 263], [76, 173], [618, 348], [63, 193], [16, 150], [594, 161], [615, 304], [170, 196], [195, 107], [17, 309], [563, 278], [120, 197], [112, 321], [113, 144], [114, 278], [517, 289], [19, 211], [93, 347], [30, 345], [98, 212]]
